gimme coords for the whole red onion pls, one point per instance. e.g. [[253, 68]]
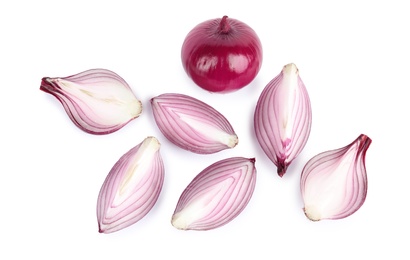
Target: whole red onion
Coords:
[[222, 55]]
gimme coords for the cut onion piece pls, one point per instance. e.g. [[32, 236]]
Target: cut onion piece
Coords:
[[283, 118], [98, 101], [192, 124], [131, 188], [334, 183], [216, 195]]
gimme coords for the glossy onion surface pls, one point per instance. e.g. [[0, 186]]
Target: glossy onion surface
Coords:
[[222, 55]]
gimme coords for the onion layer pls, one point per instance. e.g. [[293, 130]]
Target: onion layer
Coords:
[[98, 101], [334, 183], [192, 124], [131, 188], [222, 55], [283, 118], [216, 195]]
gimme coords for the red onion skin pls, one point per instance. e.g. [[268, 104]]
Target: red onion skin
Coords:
[[222, 55]]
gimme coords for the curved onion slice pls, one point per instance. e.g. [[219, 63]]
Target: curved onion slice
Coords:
[[131, 188], [192, 125], [283, 118], [98, 101], [334, 183], [216, 195]]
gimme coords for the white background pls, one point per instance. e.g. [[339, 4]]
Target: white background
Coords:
[[353, 57]]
